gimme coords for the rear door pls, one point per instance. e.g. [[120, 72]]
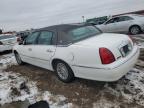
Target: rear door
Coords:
[[109, 26], [44, 49]]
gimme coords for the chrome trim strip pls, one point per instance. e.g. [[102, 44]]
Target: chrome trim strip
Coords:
[[89, 67], [34, 57]]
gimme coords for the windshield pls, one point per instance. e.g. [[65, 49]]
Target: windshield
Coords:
[[83, 33], [6, 37]]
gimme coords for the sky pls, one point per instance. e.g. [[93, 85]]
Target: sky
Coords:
[[25, 14]]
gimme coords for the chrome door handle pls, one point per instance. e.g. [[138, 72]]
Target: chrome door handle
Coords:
[[50, 51], [29, 49]]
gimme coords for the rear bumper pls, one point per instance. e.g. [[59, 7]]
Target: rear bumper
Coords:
[[5, 47], [111, 72]]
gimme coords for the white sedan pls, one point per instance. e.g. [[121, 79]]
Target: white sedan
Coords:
[[7, 42], [76, 50], [131, 23]]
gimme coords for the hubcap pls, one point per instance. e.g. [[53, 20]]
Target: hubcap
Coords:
[[135, 30], [62, 71]]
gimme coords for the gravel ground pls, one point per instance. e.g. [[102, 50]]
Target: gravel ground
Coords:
[[128, 92]]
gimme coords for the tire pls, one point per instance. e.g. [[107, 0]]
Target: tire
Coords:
[[64, 72], [135, 30], [18, 59]]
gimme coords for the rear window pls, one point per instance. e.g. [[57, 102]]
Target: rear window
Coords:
[[83, 33], [6, 37], [76, 34]]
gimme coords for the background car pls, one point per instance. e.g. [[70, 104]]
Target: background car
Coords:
[[7, 42], [77, 50], [131, 23], [98, 20], [22, 35]]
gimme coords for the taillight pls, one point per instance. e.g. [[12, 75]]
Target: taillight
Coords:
[[106, 56], [1, 43]]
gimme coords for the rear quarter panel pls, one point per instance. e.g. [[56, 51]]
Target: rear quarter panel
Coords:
[[86, 56], [78, 55]]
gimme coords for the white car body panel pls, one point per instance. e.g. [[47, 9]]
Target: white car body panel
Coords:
[[110, 72], [83, 57]]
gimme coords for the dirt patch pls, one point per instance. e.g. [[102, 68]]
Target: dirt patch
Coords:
[[18, 104], [80, 92]]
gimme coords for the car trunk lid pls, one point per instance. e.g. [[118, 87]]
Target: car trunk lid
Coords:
[[120, 45]]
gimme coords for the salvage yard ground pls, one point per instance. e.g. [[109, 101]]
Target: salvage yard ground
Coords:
[[28, 84]]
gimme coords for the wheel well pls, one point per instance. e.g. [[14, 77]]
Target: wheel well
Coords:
[[133, 26], [15, 52], [54, 61]]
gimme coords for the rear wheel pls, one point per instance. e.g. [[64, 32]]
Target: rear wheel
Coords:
[[135, 30], [18, 59], [64, 72]]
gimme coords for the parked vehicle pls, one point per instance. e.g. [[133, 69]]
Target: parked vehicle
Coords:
[[76, 50], [131, 23], [7, 42], [22, 35], [97, 21]]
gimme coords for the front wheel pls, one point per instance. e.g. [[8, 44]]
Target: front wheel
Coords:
[[64, 72], [18, 59]]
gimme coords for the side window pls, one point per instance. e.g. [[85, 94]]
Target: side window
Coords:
[[121, 19], [124, 18], [31, 39], [113, 20], [45, 38]]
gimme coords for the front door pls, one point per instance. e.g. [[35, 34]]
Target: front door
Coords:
[[109, 26], [26, 50]]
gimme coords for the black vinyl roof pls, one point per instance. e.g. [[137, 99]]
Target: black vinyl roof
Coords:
[[61, 36], [63, 27]]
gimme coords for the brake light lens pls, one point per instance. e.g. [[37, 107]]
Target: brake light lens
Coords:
[[1, 43], [106, 56]]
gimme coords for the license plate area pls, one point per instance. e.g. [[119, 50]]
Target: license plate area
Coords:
[[125, 50]]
